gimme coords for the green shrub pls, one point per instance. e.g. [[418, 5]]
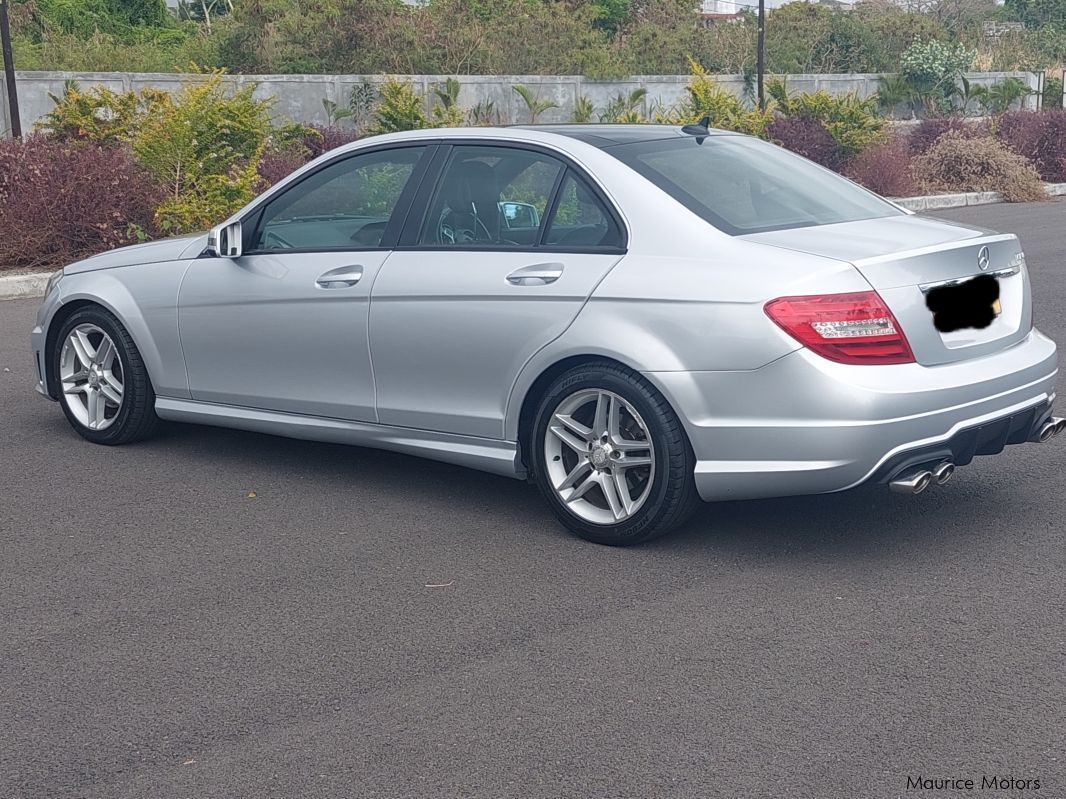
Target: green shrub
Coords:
[[707, 98], [959, 163], [203, 150], [933, 68], [1052, 97], [854, 123], [100, 115], [447, 113], [398, 109]]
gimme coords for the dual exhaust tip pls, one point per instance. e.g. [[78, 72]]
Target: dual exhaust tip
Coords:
[[917, 482], [1049, 429]]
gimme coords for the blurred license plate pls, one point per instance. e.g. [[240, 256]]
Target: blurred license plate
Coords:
[[974, 303]]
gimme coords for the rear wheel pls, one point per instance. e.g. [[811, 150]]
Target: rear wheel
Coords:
[[105, 391], [611, 457]]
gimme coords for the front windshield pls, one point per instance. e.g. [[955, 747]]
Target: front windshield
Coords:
[[744, 185]]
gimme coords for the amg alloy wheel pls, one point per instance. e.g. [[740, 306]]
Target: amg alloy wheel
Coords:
[[611, 456], [90, 374], [104, 387], [598, 456]]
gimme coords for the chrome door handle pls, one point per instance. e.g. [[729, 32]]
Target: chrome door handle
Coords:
[[340, 278], [536, 275]]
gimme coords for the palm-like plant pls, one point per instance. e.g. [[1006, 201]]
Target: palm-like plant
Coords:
[[624, 108], [897, 90], [1001, 96], [583, 111], [335, 113], [534, 104]]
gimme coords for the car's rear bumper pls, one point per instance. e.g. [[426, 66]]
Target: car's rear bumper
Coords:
[[806, 425]]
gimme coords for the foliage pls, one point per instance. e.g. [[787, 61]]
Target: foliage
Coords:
[[806, 136], [851, 121], [1001, 96], [958, 163], [83, 18], [932, 68], [100, 114], [1039, 13], [896, 91], [625, 108], [535, 105], [335, 113], [1052, 95], [927, 132], [597, 38], [707, 98], [204, 150], [1039, 137], [885, 168], [399, 109], [446, 110], [64, 200], [484, 113], [583, 112]]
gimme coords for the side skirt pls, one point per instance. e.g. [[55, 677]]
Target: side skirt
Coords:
[[488, 455]]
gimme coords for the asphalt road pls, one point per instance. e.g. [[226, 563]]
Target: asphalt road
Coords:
[[373, 625]]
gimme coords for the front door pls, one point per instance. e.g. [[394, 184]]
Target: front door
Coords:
[[284, 326], [511, 244]]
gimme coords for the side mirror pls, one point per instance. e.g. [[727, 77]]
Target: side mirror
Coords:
[[225, 241]]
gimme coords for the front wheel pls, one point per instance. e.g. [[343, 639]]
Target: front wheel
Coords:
[[105, 391], [611, 456]]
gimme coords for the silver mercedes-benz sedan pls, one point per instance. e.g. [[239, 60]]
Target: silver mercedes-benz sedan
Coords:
[[635, 318]]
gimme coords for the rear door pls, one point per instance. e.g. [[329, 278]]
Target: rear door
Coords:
[[907, 257], [506, 250]]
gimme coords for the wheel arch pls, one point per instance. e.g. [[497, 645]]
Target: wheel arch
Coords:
[[538, 387], [134, 325]]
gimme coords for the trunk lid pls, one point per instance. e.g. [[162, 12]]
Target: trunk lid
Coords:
[[904, 257]]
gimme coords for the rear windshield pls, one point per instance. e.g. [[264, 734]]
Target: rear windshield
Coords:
[[744, 185]]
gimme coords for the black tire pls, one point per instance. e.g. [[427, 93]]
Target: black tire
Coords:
[[135, 418], [672, 498]]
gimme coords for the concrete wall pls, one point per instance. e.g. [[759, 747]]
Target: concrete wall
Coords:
[[299, 97]]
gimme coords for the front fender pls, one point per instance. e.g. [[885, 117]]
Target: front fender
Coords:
[[145, 300]]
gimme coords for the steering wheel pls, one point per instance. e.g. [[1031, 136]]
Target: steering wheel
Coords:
[[450, 234]]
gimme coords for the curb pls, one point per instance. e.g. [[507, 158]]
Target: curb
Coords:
[[931, 202], [21, 287]]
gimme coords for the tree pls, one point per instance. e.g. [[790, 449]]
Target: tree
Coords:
[[204, 10], [1037, 13]]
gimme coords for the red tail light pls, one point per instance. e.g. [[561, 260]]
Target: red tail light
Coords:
[[847, 328]]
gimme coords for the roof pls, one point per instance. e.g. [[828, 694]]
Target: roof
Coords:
[[603, 136]]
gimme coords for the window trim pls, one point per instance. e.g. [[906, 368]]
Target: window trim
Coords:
[[397, 219], [554, 208], [416, 217]]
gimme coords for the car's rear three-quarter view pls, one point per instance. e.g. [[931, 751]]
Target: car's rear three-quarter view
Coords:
[[634, 317]]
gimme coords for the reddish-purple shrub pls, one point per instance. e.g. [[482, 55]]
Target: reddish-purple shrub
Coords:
[[885, 168], [283, 158], [806, 136], [1039, 136], [322, 140], [277, 164], [61, 201], [927, 132]]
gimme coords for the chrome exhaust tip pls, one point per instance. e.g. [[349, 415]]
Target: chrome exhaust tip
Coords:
[[1048, 430], [1060, 424], [944, 472], [914, 483]]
